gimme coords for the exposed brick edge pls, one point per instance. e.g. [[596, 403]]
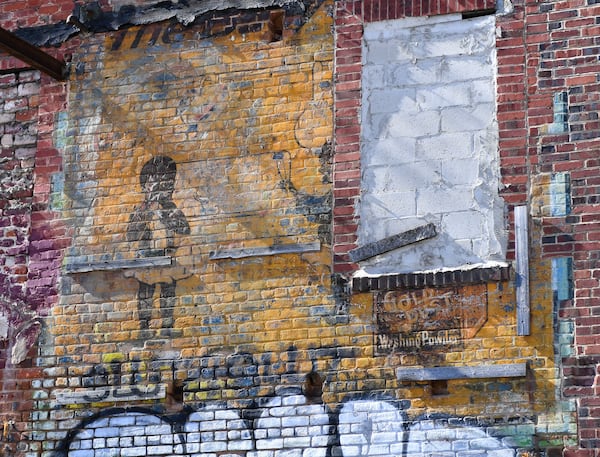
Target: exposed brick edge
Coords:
[[380, 10], [437, 279], [346, 159], [511, 103], [49, 237]]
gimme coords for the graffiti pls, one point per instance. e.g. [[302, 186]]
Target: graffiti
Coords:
[[118, 391], [287, 424], [153, 225], [270, 24], [292, 420], [109, 382], [367, 427], [149, 36], [291, 425], [426, 318], [119, 430]]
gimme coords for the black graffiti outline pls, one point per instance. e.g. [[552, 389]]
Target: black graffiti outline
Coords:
[[100, 370], [174, 421]]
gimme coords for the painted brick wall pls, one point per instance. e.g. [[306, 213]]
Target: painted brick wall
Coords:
[[32, 237], [207, 147], [247, 347], [18, 138]]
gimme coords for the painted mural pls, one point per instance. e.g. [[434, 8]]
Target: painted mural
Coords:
[[198, 173], [428, 318], [198, 194], [153, 225], [198, 312]]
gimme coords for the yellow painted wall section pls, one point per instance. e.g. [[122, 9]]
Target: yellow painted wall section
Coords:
[[211, 154]]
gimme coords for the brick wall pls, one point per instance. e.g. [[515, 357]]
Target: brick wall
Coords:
[[547, 130], [31, 242], [197, 191], [559, 48], [18, 138], [172, 243]]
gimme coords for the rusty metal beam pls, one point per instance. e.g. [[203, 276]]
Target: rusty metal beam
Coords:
[[390, 243], [32, 55]]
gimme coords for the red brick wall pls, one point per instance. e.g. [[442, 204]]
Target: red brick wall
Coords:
[[18, 130], [16, 14], [31, 243], [31, 237], [346, 175], [380, 10], [45, 238], [561, 54], [543, 48]]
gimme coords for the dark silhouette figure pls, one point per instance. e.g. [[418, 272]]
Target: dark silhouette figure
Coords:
[[153, 225]]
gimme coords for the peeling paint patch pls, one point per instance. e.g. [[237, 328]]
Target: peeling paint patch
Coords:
[[91, 17]]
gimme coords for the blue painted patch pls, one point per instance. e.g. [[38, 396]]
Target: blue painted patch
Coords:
[[208, 320], [560, 108], [560, 194], [562, 278], [499, 387]]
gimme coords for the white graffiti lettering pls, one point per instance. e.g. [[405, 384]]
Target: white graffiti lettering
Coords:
[[286, 425]]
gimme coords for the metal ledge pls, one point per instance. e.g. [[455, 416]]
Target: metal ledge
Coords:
[[275, 249], [401, 281]]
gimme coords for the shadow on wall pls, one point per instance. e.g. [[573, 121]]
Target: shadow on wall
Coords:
[[288, 424]]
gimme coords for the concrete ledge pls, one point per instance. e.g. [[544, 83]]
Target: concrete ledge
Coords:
[[276, 249], [510, 370], [399, 240], [146, 262]]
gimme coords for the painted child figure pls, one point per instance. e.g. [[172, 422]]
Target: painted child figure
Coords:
[[154, 225]]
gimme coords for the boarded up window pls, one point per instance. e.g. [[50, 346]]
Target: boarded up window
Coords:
[[429, 146]]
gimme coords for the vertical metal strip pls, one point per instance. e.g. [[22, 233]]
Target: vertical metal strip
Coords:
[[522, 270]]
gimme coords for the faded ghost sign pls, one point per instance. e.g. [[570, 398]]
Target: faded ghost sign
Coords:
[[410, 320]]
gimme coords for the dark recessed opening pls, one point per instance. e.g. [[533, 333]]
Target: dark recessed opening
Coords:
[[177, 392], [313, 385], [478, 13], [439, 387], [276, 25]]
